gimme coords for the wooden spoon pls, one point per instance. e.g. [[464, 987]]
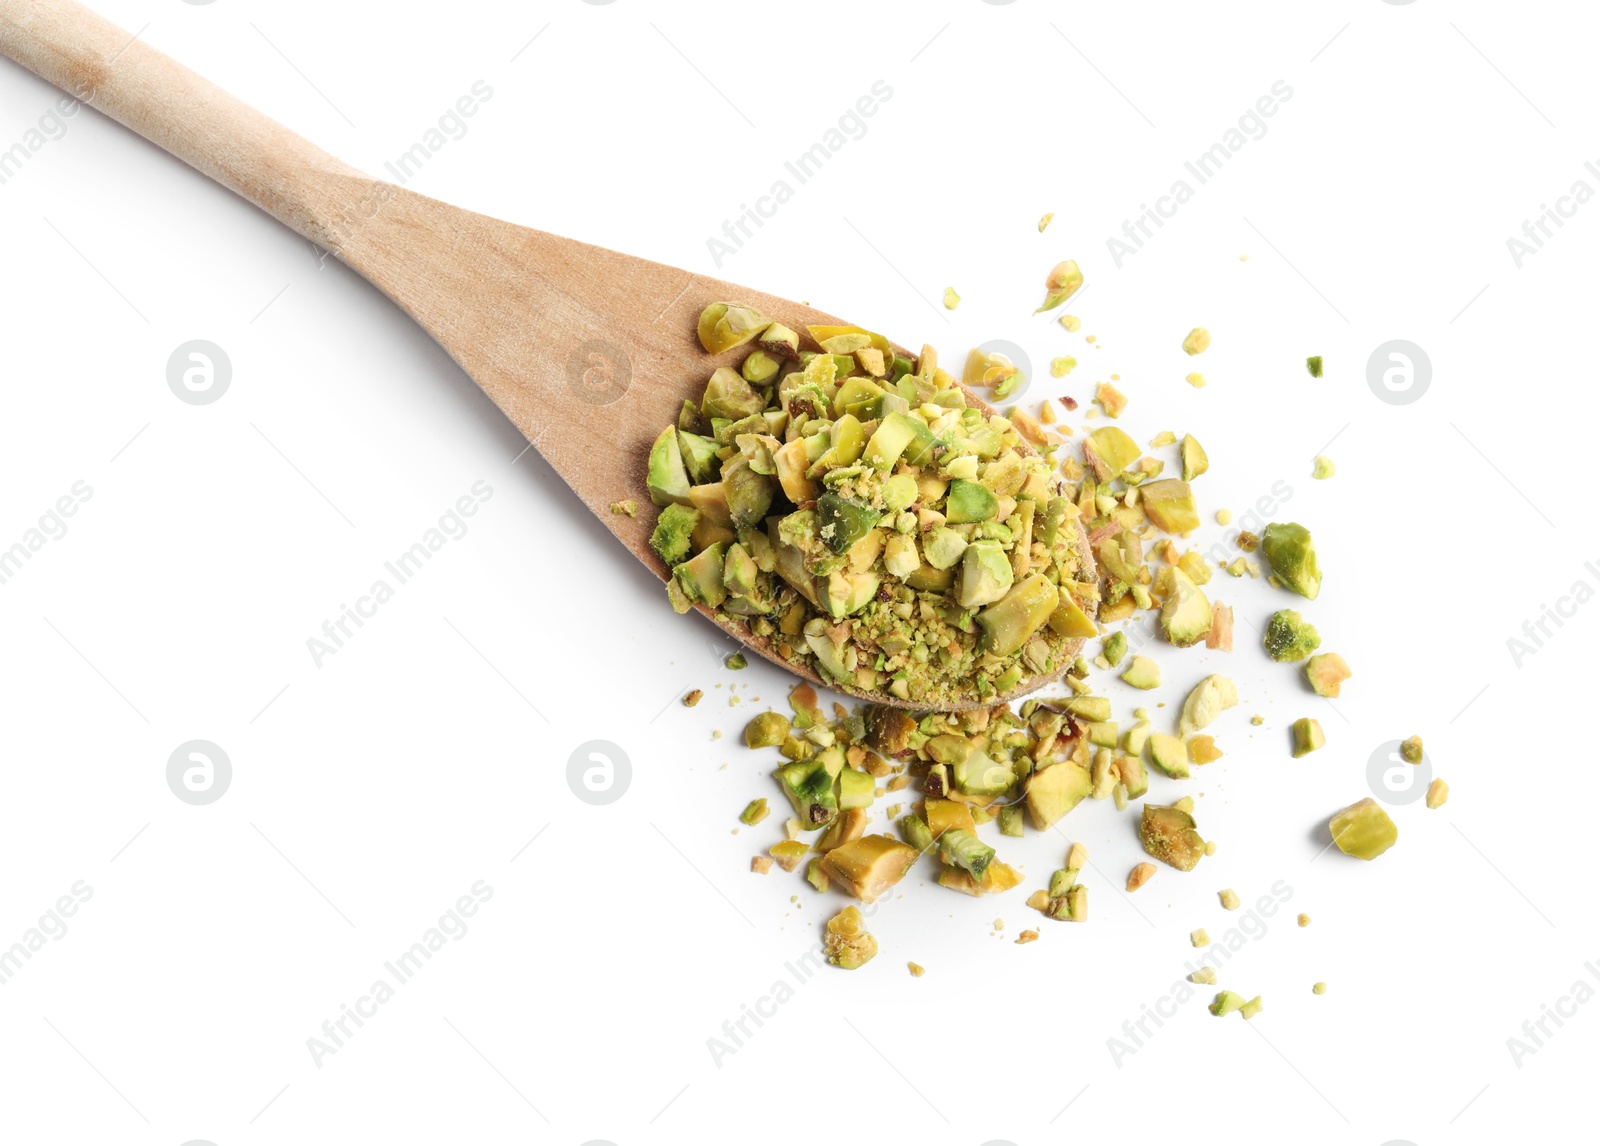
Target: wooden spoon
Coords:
[[588, 351]]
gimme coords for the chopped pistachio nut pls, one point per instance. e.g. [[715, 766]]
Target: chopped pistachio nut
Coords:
[[1062, 366], [1438, 793], [1142, 673], [917, 970], [1168, 834], [1251, 1009], [1308, 736], [736, 661], [1062, 283], [1304, 920], [1326, 673], [1292, 557], [848, 944], [1224, 516], [1290, 638], [1196, 341], [1110, 399], [1411, 750], [1229, 898], [1204, 750], [625, 508], [692, 697], [1363, 830], [1209, 698], [1197, 380], [1319, 988], [761, 865], [1114, 648], [1044, 220], [1314, 366], [769, 730], [1077, 858], [833, 509], [1199, 938], [1027, 936], [1204, 975], [1226, 1003], [1323, 468], [755, 811], [951, 298], [1140, 875]]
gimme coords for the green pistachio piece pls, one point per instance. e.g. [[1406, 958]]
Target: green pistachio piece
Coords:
[[843, 522], [1327, 672], [1063, 282], [1195, 461], [1186, 616], [1308, 736], [1169, 504], [668, 479], [1289, 638], [1168, 834], [1292, 556], [985, 574], [670, 538], [1364, 830], [1110, 451], [1314, 366], [1009, 622], [725, 325], [969, 501]]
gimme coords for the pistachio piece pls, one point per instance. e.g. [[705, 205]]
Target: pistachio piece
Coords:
[[1208, 699], [724, 325], [1195, 461], [1292, 556], [1307, 735], [1169, 504], [1226, 1003], [1196, 341], [869, 866], [848, 943], [1314, 366], [1168, 834], [1229, 899], [1411, 750], [1327, 672], [1290, 638], [951, 298], [1186, 617], [1044, 220], [1363, 830], [1438, 793], [1143, 673], [1140, 875], [1061, 284], [1323, 468]]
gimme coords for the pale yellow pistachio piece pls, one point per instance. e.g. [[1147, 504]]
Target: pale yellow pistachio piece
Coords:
[[1323, 468], [1071, 322], [1224, 516], [1111, 400], [1077, 857], [1027, 936], [951, 298], [1199, 938], [1229, 899], [1196, 341], [1319, 988], [625, 508], [1410, 749], [1197, 380], [1438, 793], [1204, 975], [1140, 875], [1164, 438], [1044, 220], [1061, 367], [1047, 413], [1305, 920], [917, 970]]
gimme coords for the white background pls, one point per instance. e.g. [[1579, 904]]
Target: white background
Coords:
[[371, 792]]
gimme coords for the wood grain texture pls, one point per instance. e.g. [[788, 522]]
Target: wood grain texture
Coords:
[[588, 351]]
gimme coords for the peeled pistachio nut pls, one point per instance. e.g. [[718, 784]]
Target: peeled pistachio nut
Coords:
[[1204, 975], [1229, 899], [1197, 380], [724, 325], [1143, 673], [1292, 556], [1195, 461], [1169, 504], [1363, 830], [1061, 284], [1111, 400], [1226, 1003], [1319, 988], [1044, 220]]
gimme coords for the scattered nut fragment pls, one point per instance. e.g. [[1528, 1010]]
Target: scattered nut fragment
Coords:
[[1047, 413], [692, 697], [1319, 988], [1068, 400], [1140, 875], [1411, 750], [1196, 341], [625, 508], [1111, 400], [917, 970], [1224, 516], [951, 298], [1044, 220], [848, 943], [1060, 368], [1308, 736], [1229, 898], [1077, 857], [1438, 793], [1197, 380], [755, 811], [1326, 673], [1251, 1009], [1027, 936], [1363, 830], [1314, 366], [1204, 975], [1323, 468], [1226, 1003], [1305, 920], [1061, 284], [1071, 322], [1199, 938], [761, 865], [736, 661], [1258, 720]]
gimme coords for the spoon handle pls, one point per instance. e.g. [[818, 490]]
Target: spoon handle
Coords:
[[99, 64]]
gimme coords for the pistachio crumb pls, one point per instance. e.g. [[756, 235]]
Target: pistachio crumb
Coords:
[[917, 970], [761, 865], [1027, 936], [1319, 988], [1411, 750], [1314, 366], [951, 298], [1111, 400], [1224, 516], [1077, 857], [1305, 920], [1044, 220], [716, 734], [1199, 938], [1204, 975], [736, 661], [1197, 380], [1438, 793], [1211, 847], [1061, 367], [692, 697], [1258, 720], [1229, 898], [1323, 468], [1140, 875], [1047, 413], [1071, 322], [1196, 341], [625, 508]]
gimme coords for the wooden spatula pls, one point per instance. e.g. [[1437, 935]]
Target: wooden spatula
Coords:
[[589, 352]]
